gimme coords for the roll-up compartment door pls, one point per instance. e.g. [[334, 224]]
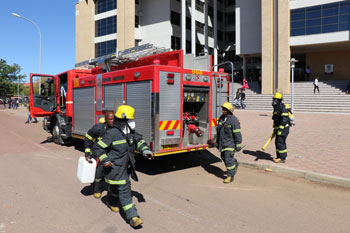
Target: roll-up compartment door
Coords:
[[169, 110], [113, 96], [138, 96], [83, 109]]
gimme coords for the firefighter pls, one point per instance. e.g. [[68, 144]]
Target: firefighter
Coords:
[[229, 140], [91, 137], [116, 153], [281, 127]]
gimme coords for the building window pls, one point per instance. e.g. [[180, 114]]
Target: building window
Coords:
[[175, 18], [200, 6], [106, 26], [210, 31], [175, 43], [188, 46], [230, 18], [230, 3], [188, 23], [105, 48], [220, 36], [199, 27], [105, 5], [137, 21], [230, 37], [199, 49], [326, 18]]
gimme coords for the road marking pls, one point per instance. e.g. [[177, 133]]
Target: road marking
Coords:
[[180, 212], [17, 135], [2, 227], [45, 156], [220, 187]]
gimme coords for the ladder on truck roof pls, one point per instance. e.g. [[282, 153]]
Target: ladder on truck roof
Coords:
[[121, 57]]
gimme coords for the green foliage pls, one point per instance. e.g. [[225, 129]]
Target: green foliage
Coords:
[[9, 76]]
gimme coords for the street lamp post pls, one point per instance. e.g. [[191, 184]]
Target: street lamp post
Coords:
[[36, 26], [292, 66]]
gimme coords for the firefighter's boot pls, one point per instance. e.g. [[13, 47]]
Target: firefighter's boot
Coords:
[[97, 195], [136, 222], [279, 160], [228, 180], [114, 208]]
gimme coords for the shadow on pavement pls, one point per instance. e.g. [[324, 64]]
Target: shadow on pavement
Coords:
[[258, 154], [175, 162], [89, 189]]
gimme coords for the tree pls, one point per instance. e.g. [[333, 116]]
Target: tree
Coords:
[[9, 74]]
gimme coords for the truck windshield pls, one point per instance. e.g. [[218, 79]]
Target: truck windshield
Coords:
[[43, 85]]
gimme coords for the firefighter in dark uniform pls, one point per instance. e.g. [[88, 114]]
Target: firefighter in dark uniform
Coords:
[[91, 138], [281, 127], [229, 140], [116, 153]]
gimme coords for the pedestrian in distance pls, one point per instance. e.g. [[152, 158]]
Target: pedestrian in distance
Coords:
[[242, 99], [91, 138], [116, 153], [316, 85], [229, 140], [245, 84], [348, 88], [281, 125], [237, 97], [307, 71], [29, 117]]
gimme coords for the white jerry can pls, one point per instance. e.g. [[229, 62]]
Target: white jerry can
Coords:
[[86, 170]]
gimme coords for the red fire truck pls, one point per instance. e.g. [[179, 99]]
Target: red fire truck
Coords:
[[176, 98]]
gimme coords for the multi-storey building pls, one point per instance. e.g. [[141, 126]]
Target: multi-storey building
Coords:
[[315, 32], [196, 26]]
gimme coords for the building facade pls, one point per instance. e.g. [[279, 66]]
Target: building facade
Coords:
[[315, 32], [196, 26]]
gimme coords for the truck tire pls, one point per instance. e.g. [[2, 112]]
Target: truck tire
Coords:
[[56, 135]]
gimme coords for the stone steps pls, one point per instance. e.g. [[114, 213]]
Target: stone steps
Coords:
[[332, 97]]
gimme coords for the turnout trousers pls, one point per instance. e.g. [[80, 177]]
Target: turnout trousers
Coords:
[[123, 191], [230, 162], [281, 146], [98, 178]]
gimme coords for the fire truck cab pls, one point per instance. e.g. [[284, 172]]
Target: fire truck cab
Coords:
[[176, 98]]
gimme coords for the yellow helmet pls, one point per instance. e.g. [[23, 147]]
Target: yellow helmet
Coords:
[[228, 106], [125, 112], [277, 95], [102, 120]]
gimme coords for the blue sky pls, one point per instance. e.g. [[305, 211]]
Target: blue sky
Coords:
[[19, 39]]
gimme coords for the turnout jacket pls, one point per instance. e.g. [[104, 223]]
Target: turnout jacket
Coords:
[[118, 148], [229, 136], [280, 120], [92, 136]]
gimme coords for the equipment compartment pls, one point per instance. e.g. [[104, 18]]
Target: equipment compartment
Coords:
[[195, 116]]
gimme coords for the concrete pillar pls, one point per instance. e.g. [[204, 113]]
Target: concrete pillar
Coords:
[[183, 25], [85, 31], [206, 26], [193, 27], [283, 48], [267, 52], [125, 24], [245, 67], [215, 35]]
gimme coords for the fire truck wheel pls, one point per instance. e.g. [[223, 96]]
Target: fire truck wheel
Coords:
[[56, 134]]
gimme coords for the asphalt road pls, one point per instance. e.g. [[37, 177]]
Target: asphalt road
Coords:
[[39, 192]]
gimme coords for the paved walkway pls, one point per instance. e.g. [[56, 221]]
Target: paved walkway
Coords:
[[318, 145]]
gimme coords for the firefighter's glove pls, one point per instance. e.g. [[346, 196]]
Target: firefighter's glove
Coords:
[[108, 164], [88, 156], [238, 148], [148, 154]]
